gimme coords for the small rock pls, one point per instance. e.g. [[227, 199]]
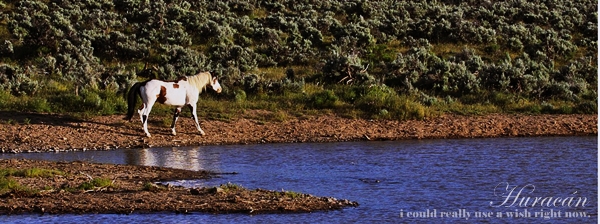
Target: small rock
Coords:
[[194, 191]]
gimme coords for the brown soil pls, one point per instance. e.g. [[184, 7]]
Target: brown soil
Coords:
[[130, 192], [43, 132]]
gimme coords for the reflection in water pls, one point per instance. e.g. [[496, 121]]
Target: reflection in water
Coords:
[[188, 158], [388, 179]]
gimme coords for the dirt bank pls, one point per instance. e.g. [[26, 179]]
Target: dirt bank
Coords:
[[41, 132], [131, 190]]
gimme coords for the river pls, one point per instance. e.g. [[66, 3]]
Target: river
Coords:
[[497, 180]]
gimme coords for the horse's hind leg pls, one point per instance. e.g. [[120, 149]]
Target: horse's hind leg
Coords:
[[195, 117], [175, 116], [144, 118], [141, 112], [145, 113]]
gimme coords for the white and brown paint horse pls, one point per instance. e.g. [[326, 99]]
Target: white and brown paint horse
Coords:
[[179, 93]]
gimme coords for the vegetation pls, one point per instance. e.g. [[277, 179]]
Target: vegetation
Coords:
[[377, 59], [9, 185], [231, 187], [149, 186], [30, 173], [97, 183], [289, 194]]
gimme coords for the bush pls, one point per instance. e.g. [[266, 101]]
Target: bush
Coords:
[[17, 82], [345, 69], [587, 107], [540, 50], [325, 99], [383, 102]]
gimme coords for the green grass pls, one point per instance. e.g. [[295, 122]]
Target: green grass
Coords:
[[8, 184], [29, 173], [56, 100], [293, 194], [38, 172], [97, 183], [236, 187], [148, 186], [495, 102], [385, 103], [350, 101], [288, 194], [231, 187]]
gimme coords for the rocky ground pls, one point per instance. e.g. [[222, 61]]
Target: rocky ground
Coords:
[[42, 132], [132, 188]]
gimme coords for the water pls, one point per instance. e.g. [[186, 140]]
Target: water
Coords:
[[429, 179]]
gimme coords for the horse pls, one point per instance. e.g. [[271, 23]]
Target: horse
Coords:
[[179, 93]]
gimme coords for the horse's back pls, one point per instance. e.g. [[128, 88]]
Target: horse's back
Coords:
[[166, 92]]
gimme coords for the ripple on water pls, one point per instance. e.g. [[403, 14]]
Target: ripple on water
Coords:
[[388, 179]]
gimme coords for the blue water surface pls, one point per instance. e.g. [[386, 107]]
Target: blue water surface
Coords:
[[423, 181]]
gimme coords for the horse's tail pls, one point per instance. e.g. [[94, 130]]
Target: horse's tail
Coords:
[[132, 99]]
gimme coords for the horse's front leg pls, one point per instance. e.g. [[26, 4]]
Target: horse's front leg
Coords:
[[175, 116], [195, 117]]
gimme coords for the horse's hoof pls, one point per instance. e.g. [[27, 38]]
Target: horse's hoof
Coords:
[[148, 135]]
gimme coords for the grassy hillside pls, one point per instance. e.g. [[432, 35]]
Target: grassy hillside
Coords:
[[377, 59]]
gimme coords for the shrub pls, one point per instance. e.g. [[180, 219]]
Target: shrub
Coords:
[[240, 95], [383, 102], [587, 107], [345, 69], [325, 99], [6, 47], [17, 82], [540, 50]]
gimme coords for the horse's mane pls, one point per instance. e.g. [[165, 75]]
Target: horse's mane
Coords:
[[200, 80]]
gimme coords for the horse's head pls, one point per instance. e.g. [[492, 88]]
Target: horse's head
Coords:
[[215, 85]]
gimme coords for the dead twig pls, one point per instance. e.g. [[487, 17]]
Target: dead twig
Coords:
[[90, 177]]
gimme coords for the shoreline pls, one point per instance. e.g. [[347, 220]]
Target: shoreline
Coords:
[[57, 133], [72, 188], [134, 189]]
